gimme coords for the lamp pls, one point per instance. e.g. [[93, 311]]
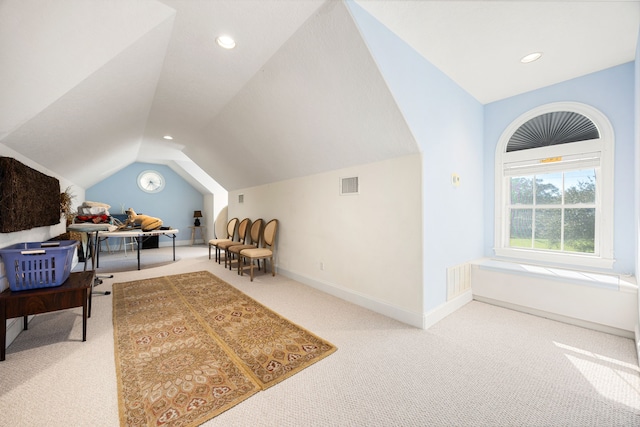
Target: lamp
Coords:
[[197, 215]]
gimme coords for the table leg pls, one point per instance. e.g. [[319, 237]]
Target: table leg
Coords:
[[96, 248], [91, 249], [174, 246], [139, 238], [86, 250], [85, 309], [93, 281]]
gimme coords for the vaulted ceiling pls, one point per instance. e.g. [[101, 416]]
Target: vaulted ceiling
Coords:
[[89, 87]]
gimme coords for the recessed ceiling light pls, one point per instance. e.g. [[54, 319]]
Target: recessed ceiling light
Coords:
[[167, 137], [226, 42], [531, 57]]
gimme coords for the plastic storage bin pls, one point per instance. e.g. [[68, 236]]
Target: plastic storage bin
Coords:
[[36, 265]]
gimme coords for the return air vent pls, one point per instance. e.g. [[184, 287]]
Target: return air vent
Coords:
[[240, 198], [458, 280], [349, 185]]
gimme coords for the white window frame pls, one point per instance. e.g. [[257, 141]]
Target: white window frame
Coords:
[[601, 158]]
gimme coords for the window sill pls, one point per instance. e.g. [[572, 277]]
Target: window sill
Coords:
[[614, 282], [564, 259]]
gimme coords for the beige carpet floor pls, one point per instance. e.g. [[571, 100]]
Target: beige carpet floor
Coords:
[[481, 366]]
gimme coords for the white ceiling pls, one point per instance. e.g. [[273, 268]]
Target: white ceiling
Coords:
[[87, 88], [479, 43]]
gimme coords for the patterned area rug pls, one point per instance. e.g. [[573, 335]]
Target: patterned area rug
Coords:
[[190, 346]]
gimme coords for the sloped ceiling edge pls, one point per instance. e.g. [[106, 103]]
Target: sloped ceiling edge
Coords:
[[319, 104], [95, 128]]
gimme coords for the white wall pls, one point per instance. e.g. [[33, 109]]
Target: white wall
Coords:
[[369, 244]]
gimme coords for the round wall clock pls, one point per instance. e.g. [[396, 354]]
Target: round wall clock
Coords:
[[150, 181]]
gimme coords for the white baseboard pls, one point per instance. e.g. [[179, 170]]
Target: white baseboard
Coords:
[[362, 300], [442, 311], [557, 317]]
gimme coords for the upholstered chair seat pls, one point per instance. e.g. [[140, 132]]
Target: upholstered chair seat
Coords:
[[252, 242], [243, 232], [265, 252], [231, 231]]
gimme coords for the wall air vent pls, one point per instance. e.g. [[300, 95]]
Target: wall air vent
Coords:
[[240, 198], [349, 186]]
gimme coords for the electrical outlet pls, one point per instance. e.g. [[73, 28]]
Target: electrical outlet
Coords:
[[455, 180], [321, 265]]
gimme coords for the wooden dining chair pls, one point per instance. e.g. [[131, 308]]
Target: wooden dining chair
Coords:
[[265, 252], [253, 241], [243, 233], [231, 232]]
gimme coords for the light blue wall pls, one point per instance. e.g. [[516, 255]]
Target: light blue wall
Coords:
[[447, 125], [612, 92], [174, 205]]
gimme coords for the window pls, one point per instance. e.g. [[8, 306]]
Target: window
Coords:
[[553, 211], [554, 187]]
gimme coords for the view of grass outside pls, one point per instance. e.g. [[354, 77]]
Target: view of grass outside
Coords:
[[554, 211], [546, 244]]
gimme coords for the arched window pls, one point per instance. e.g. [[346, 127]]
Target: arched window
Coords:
[[554, 187]]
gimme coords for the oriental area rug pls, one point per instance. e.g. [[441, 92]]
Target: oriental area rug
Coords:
[[190, 346]]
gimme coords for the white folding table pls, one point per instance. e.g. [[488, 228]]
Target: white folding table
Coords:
[[93, 244], [138, 234]]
